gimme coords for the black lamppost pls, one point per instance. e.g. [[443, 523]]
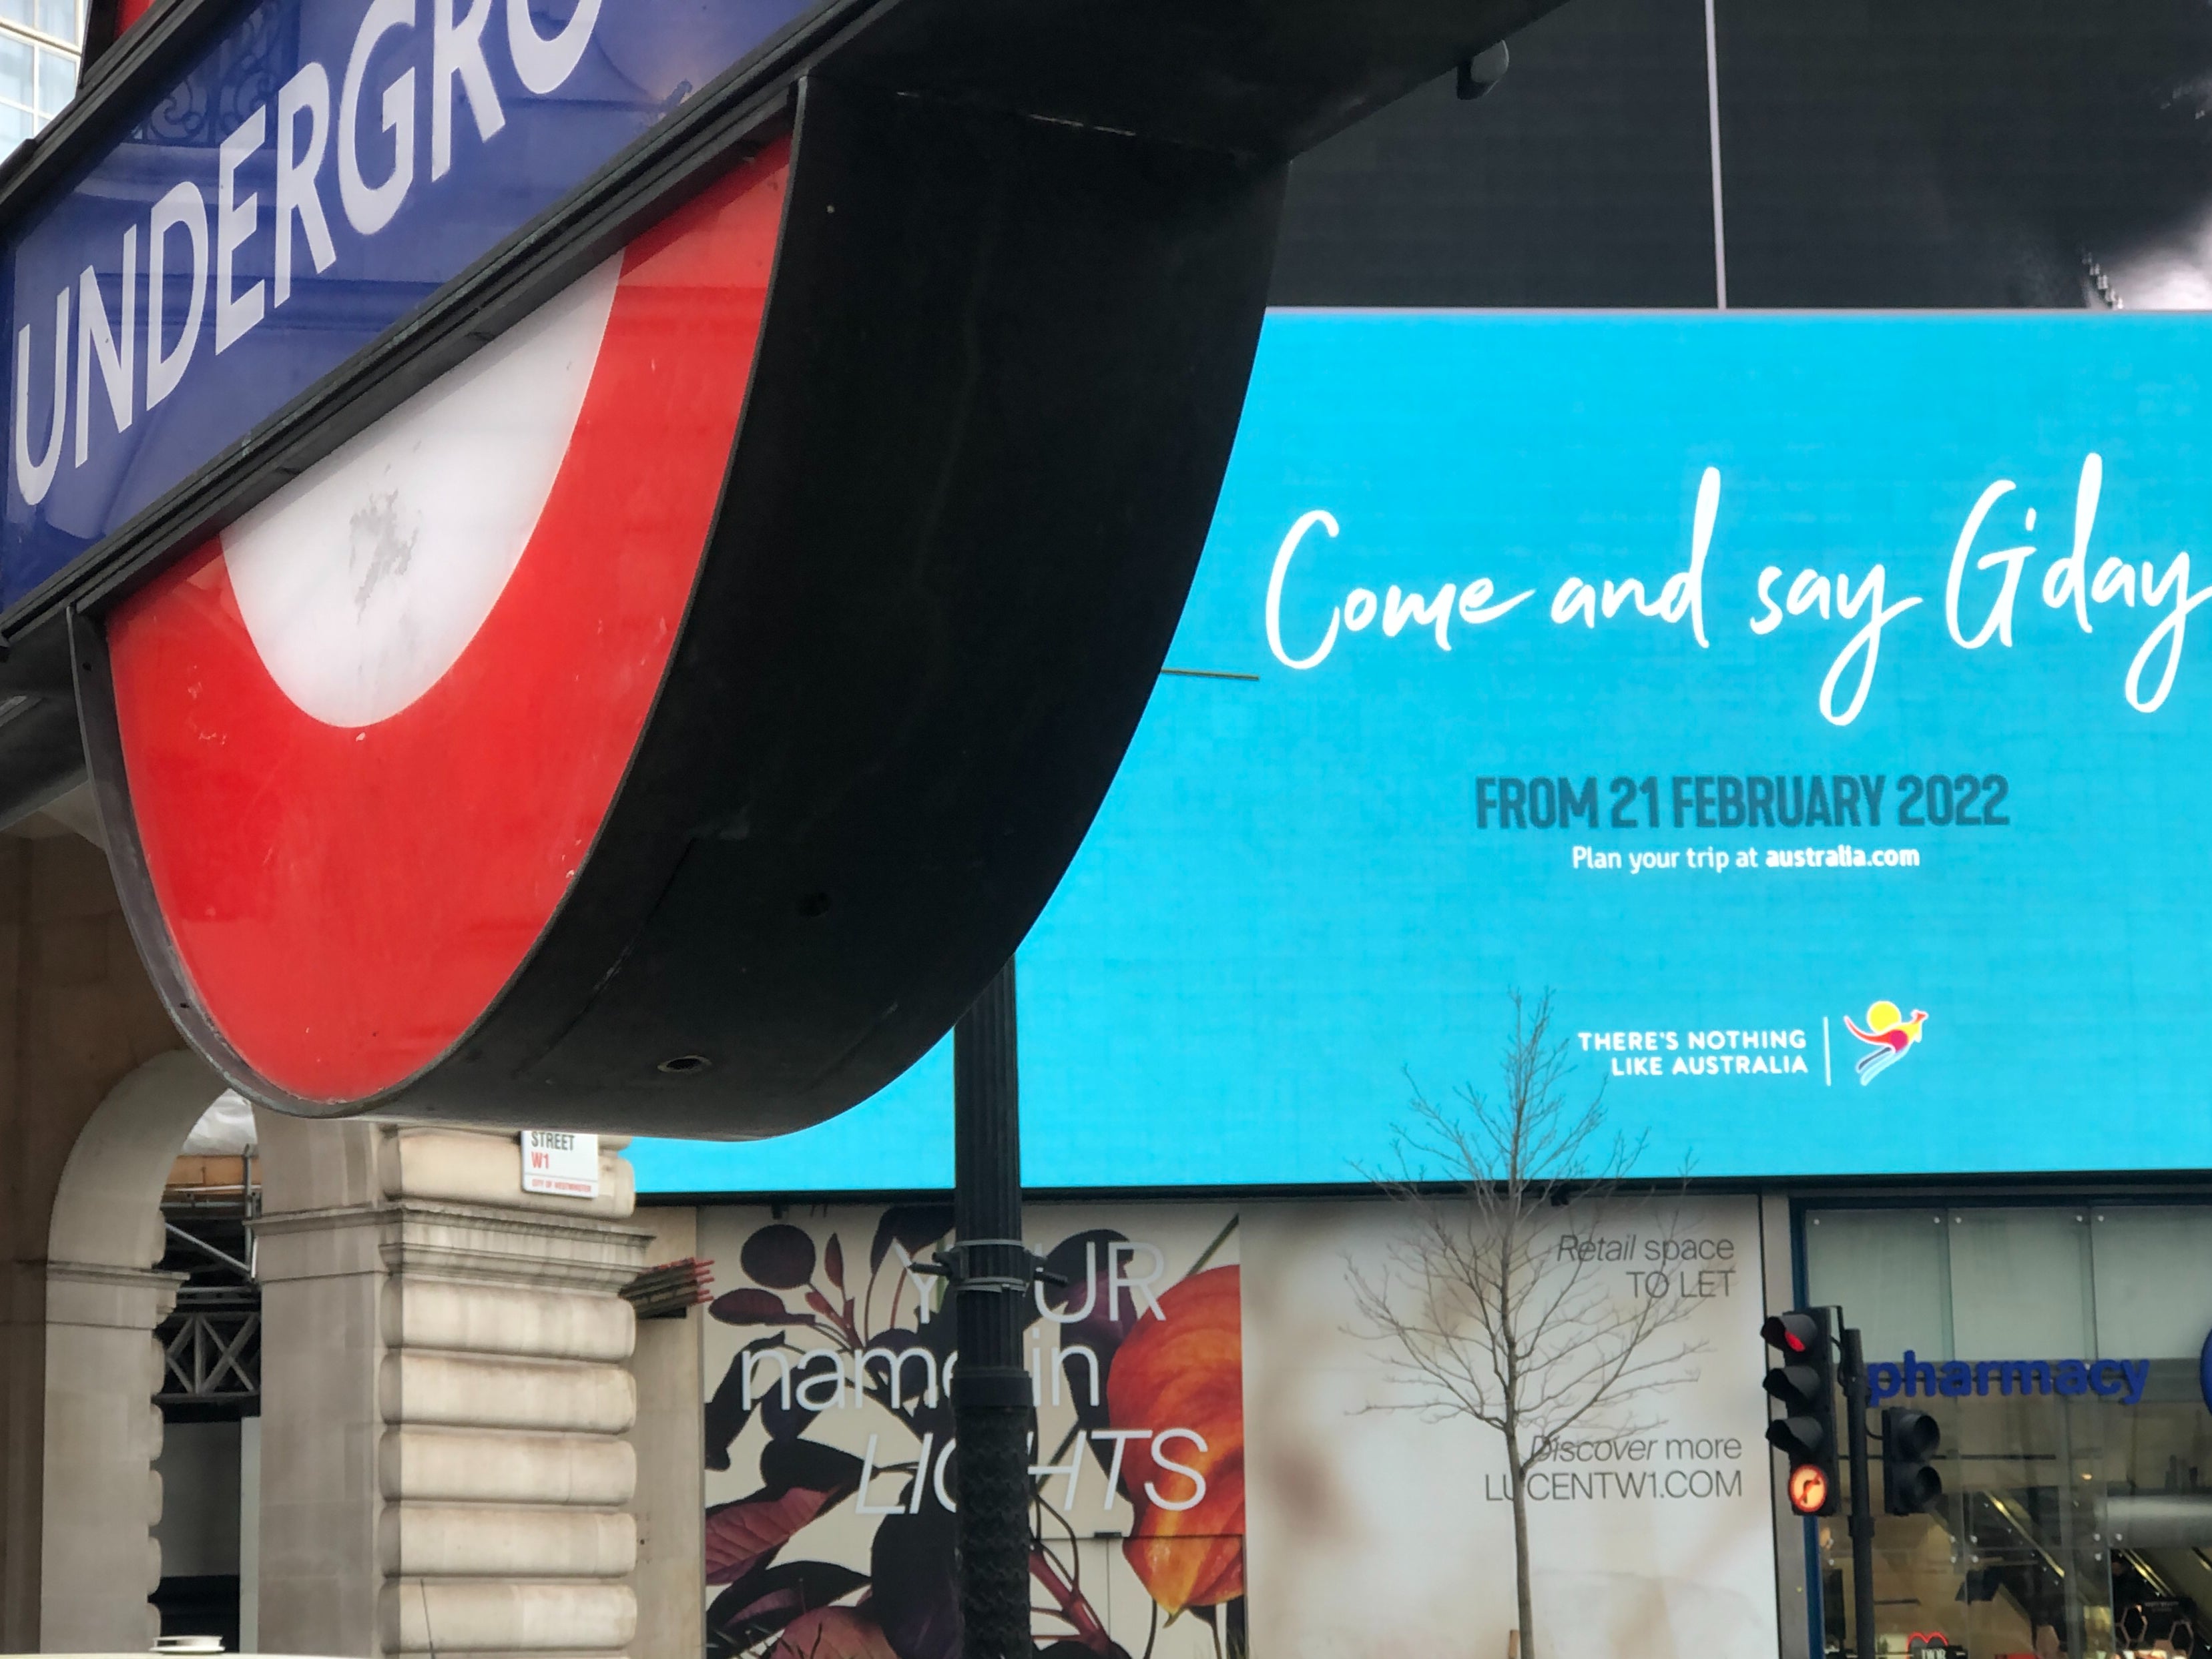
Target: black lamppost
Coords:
[[992, 1272]]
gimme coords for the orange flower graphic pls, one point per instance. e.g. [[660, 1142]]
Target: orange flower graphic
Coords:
[[1183, 1377]]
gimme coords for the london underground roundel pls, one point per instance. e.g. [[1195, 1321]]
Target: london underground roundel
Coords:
[[371, 730], [669, 719]]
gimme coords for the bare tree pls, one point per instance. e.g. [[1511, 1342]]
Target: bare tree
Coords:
[[1479, 1311]]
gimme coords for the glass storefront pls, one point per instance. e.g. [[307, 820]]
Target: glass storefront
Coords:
[[37, 64], [2058, 1346]]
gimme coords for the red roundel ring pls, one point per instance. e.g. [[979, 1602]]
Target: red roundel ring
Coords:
[[670, 718], [371, 731]]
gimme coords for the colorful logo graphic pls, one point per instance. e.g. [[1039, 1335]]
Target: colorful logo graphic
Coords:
[[1888, 1033]]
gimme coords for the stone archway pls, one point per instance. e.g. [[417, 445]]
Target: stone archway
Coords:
[[99, 1561]]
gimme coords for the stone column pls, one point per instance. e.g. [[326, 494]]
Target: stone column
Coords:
[[444, 1397], [77, 1017], [99, 1561], [671, 1461], [102, 1433]]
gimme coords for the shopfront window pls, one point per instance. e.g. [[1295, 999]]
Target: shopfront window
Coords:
[[2058, 1347], [37, 64]]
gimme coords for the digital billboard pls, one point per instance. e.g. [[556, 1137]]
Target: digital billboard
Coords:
[[1812, 704], [1737, 566]]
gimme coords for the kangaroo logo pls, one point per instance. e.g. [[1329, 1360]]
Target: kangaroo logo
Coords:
[[1889, 1035]]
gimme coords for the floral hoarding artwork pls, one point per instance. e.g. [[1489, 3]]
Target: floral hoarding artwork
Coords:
[[832, 1465]]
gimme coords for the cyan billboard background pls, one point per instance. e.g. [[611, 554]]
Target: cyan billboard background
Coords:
[[1286, 908]]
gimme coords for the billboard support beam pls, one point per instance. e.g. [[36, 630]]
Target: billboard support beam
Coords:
[[993, 1406]]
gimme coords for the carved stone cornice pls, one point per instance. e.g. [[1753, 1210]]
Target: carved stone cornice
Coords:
[[452, 1241], [109, 1297]]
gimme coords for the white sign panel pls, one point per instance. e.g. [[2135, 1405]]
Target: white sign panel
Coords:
[[1378, 1531], [560, 1162], [1182, 1352]]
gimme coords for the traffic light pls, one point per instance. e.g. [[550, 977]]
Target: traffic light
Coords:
[[1909, 1439], [1805, 1383]]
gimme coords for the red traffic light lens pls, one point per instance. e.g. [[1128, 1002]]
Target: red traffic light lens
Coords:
[[1809, 1489], [1794, 1333], [1802, 1330]]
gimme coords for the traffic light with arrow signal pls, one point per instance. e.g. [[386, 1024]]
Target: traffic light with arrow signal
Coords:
[[1909, 1440], [1805, 1383]]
